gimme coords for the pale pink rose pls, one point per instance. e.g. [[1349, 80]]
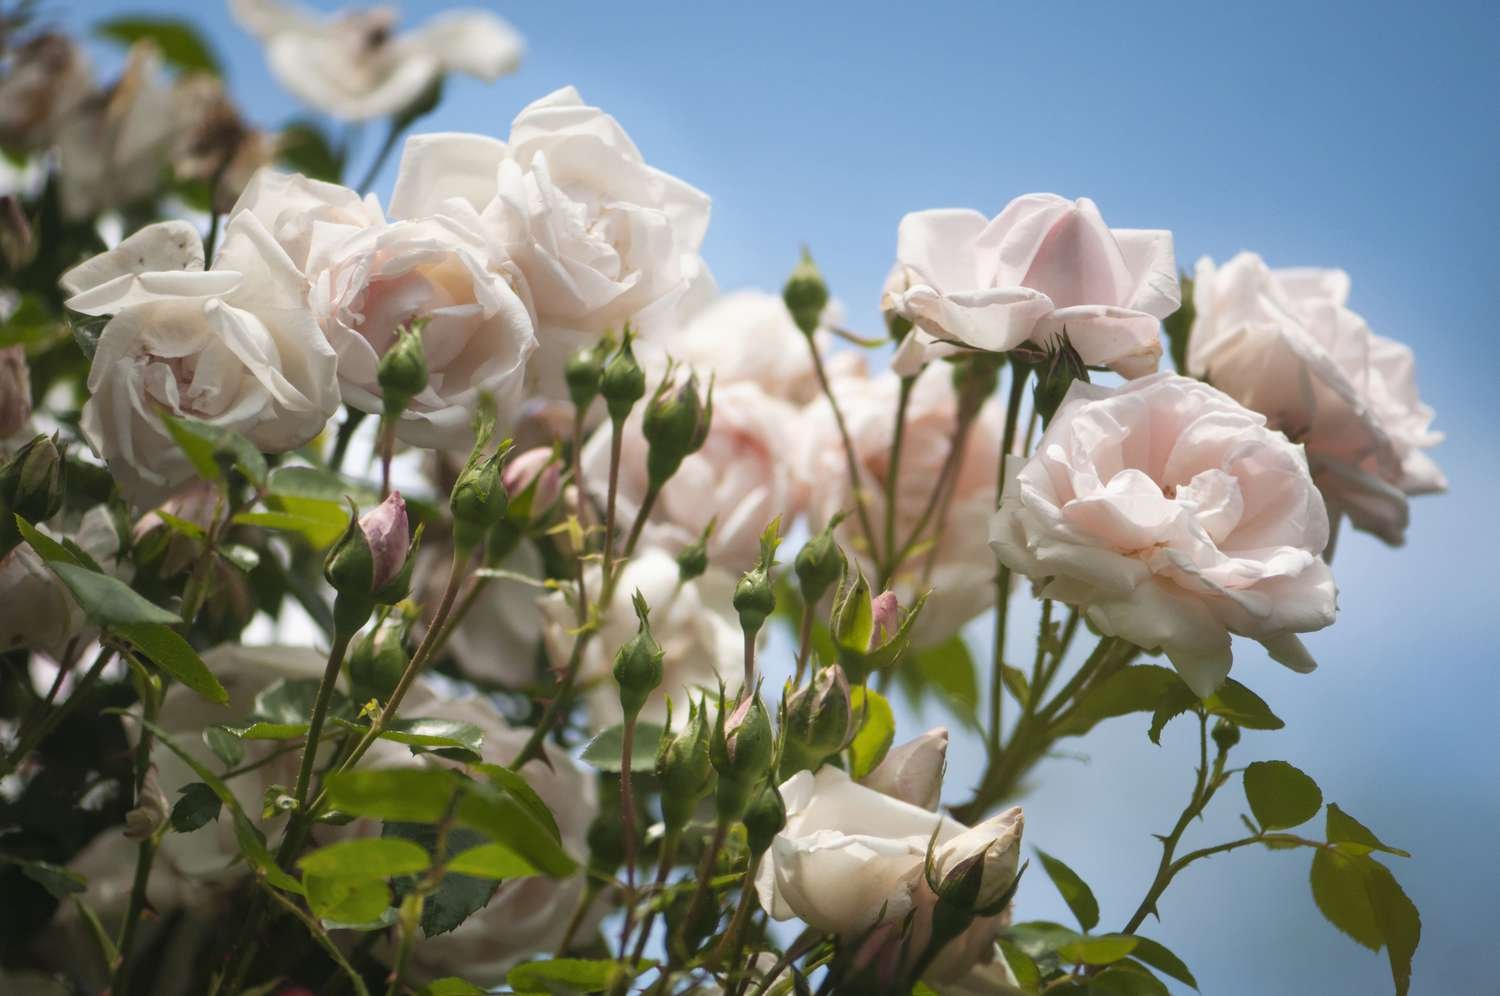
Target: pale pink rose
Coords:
[[885, 614], [1284, 343], [694, 622], [913, 771], [602, 237], [742, 477], [389, 537], [290, 206], [540, 464], [1042, 266], [851, 857], [234, 346], [1174, 517], [355, 65], [959, 572]]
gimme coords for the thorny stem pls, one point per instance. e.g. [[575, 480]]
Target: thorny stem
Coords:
[[387, 454], [1018, 377], [663, 867], [892, 476], [319, 714], [616, 439], [804, 642], [627, 825]]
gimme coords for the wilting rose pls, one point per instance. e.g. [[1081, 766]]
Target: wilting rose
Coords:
[[291, 206], [742, 477], [1284, 343], [354, 65], [1042, 266], [693, 621], [15, 390], [214, 145], [40, 611], [368, 282], [1174, 517], [113, 146], [913, 771], [234, 346], [602, 237], [959, 572], [851, 857], [45, 77]]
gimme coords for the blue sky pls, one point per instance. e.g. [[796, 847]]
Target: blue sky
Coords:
[[1360, 135]]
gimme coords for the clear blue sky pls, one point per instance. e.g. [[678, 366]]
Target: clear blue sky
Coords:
[[1362, 135]]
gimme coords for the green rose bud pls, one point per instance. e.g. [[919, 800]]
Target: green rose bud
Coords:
[[1055, 376], [741, 753], [623, 382], [378, 659], [638, 664], [479, 499], [583, 372], [683, 766], [675, 425], [402, 373], [820, 563], [765, 818], [1226, 734], [805, 294], [31, 486], [693, 560], [819, 721], [754, 597]]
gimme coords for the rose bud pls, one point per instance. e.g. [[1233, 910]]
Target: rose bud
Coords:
[[820, 563], [31, 486], [1055, 376], [1226, 734], [692, 561], [683, 766], [583, 372], [638, 664], [862, 650], [479, 499], [819, 721], [15, 390], [371, 562], [623, 382], [741, 753], [765, 818], [675, 425], [402, 374], [885, 618], [978, 867], [805, 294], [533, 481], [151, 809], [754, 598], [913, 771], [378, 659], [974, 380]]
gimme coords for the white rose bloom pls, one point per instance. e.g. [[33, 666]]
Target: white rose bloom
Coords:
[[45, 78], [742, 477], [370, 280], [694, 622], [234, 346], [1284, 343], [1173, 517], [354, 65], [958, 572], [913, 771], [1042, 266], [850, 857], [291, 206], [602, 237]]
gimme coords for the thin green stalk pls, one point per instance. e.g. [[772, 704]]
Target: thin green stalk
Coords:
[[319, 714], [392, 136], [804, 643], [1018, 377], [851, 461], [893, 473], [663, 868], [1164, 869], [616, 440], [653, 491], [627, 826]]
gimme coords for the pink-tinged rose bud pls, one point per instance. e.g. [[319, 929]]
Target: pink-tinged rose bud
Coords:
[[913, 771], [539, 465], [389, 537], [989, 852], [15, 390], [886, 614]]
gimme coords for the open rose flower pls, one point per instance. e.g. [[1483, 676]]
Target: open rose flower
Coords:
[[602, 237], [959, 572], [234, 346], [1043, 265], [692, 620], [851, 857], [369, 281], [1284, 343], [291, 206], [354, 64], [742, 477], [1174, 517], [913, 771], [44, 78]]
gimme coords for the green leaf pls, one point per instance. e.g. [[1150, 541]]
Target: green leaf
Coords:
[[447, 734], [1098, 949], [366, 857], [209, 447], [178, 41], [949, 667], [451, 986], [1028, 976], [319, 483], [290, 702], [1235, 702], [306, 150], [348, 901], [45, 546], [198, 807], [1175, 700], [59, 882], [1164, 961], [1075, 892], [515, 784], [1132, 689], [1178, 324], [1338, 887], [491, 861], [457, 896], [225, 745], [1040, 938], [1016, 683], [174, 655], [604, 751], [1353, 837], [1126, 978], [107, 600], [1398, 920], [320, 521], [877, 728], [569, 975], [30, 322], [1280, 795]]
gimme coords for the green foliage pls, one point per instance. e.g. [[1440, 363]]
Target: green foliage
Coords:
[[179, 42], [1164, 961], [1353, 837], [197, 807], [305, 149], [1280, 795], [571, 975], [605, 751], [1179, 324], [876, 730], [1075, 892], [174, 655], [947, 668], [367, 857], [211, 449], [460, 893], [59, 882], [351, 902]]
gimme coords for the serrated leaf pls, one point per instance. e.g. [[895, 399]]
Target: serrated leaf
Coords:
[[174, 655], [366, 857], [1164, 961], [1338, 887], [1280, 795], [435, 733], [491, 860], [225, 745], [179, 42], [569, 975], [1075, 891], [59, 882], [197, 807], [1126, 978], [1233, 701], [1399, 922], [458, 895], [348, 901], [45, 546], [312, 520], [604, 751], [1040, 938], [1133, 689], [1353, 837], [290, 702], [451, 986], [877, 728], [1025, 970], [107, 600], [1098, 949], [1175, 700]]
